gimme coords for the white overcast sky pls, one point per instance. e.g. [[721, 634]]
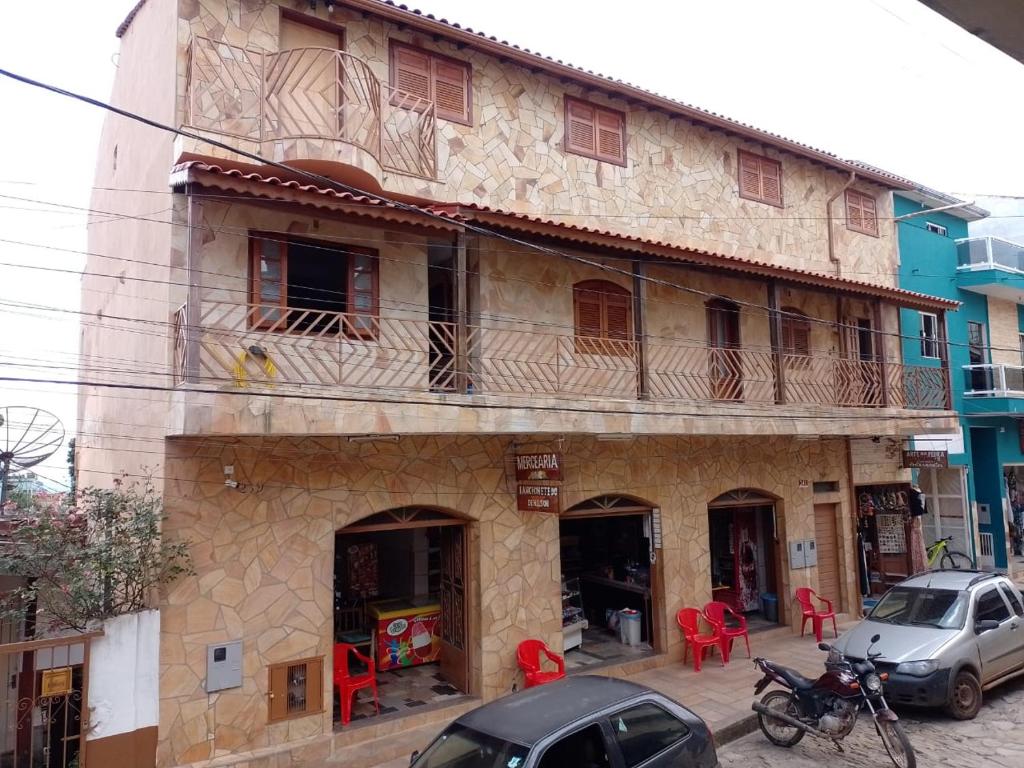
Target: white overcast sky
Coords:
[[887, 82]]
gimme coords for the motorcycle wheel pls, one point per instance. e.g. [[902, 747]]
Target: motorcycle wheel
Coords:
[[776, 731], [896, 743]]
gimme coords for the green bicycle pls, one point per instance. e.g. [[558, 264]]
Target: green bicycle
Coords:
[[939, 552]]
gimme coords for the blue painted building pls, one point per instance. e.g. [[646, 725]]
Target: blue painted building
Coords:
[[984, 484]]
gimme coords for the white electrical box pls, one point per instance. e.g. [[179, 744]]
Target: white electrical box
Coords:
[[223, 666], [810, 553], [797, 554]]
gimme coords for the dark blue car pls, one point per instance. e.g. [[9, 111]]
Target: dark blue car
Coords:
[[581, 722]]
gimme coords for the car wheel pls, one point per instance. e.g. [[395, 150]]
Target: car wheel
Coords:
[[965, 696], [778, 732]]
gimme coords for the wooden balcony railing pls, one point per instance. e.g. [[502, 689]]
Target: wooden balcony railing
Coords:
[[319, 351], [308, 93]]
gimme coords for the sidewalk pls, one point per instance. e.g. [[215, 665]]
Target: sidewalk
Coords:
[[720, 695]]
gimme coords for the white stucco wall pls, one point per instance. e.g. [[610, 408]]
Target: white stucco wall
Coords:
[[124, 675]]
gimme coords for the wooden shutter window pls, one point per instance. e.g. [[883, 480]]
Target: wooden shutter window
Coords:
[[296, 689], [363, 293], [603, 314], [594, 131], [796, 333], [861, 214], [425, 77], [760, 178], [268, 279]]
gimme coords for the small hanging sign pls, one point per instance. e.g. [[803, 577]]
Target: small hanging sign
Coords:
[[538, 467], [538, 497], [925, 459], [56, 682]]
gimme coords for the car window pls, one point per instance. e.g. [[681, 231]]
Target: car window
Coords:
[[462, 747], [942, 608], [991, 606], [583, 749], [1013, 598], [644, 731]]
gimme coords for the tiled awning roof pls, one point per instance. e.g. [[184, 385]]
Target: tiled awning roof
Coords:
[[454, 216]]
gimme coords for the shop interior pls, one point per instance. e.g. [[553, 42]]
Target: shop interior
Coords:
[[607, 598], [387, 604], [883, 519], [743, 562]]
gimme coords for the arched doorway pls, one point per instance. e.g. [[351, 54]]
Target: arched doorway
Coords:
[[743, 539], [400, 598], [609, 559]]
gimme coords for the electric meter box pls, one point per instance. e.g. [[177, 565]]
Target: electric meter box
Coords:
[[810, 553], [797, 554], [223, 666]]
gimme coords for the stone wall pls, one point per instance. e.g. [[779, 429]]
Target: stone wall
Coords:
[[264, 560], [679, 183]]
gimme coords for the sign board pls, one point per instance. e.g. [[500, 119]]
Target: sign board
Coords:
[[56, 682], [538, 467], [538, 497], [925, 459]]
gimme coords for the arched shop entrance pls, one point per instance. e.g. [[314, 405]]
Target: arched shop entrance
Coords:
[[400, 598], [745, 557], [610, 548]]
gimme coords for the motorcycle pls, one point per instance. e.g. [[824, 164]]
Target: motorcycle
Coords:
[[828, 707]]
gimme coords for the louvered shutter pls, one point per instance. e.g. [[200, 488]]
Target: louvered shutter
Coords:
[[868, 216], [853, 211], [617, 317], [411, 75], [750, 176], [796, 333], [451, 90], [771, 181], [588, 311], [278, 693], [610, 136], [581, 132]]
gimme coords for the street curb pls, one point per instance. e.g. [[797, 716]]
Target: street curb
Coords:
[[737, 729]]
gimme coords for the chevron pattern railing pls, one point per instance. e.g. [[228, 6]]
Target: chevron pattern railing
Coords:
[[308, 93]]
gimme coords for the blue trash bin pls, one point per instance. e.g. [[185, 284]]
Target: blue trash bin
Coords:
[[770, 606]]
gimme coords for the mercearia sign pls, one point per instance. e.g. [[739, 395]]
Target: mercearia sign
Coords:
[[531, 467]]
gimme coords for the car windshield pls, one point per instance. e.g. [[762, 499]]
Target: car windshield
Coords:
[[940, 608], [462, 747]]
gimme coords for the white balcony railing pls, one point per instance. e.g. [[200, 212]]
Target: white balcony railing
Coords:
[[975, 253], [993, 380]]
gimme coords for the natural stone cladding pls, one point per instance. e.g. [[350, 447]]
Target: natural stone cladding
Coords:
[[264, 559], [679, 183]]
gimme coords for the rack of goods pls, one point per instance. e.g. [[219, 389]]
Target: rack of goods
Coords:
[[573, 622]]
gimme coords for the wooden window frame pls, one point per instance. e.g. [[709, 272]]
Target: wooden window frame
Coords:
[[761, 161], [395, 45], [348, 332], [794, 320], [314, 705], [933, 340], [856, 199], [297, 17], [589, 344], [596, 154]]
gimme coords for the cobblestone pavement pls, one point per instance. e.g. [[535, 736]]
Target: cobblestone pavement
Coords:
[[995, 739]]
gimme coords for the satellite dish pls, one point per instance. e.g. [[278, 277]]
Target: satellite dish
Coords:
[[28, 436]]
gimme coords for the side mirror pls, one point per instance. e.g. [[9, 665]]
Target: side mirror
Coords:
[[413, 756], [824, 647], [985, 625], [875, 638]]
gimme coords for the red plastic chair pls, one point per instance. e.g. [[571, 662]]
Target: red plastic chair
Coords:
[[805, 596], [347, 683], [528, 655], [717, 613], [689, 621]]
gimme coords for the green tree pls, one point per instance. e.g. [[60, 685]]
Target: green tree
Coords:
[[100, 557]]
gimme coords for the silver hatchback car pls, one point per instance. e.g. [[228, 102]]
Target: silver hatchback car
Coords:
[[945, 636]]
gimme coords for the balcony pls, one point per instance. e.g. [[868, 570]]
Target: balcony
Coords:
[[309, 103], [329, 353], [993, 390], [991, 266]]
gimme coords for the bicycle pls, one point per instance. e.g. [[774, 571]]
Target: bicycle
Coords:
[[947, 558]]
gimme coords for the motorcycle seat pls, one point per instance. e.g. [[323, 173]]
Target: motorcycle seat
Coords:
[[794, 678]]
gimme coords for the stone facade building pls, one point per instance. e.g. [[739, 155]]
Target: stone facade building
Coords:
[[475, 253]]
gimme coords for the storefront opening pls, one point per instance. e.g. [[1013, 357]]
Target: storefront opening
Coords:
[[399, 599], [745, 556], [609, 577]]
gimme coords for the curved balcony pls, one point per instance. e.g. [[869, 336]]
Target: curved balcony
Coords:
[[308, 94]]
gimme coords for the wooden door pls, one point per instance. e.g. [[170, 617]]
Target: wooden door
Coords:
[[827, 542], [725, 366], [304, 82], [454, 656]]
